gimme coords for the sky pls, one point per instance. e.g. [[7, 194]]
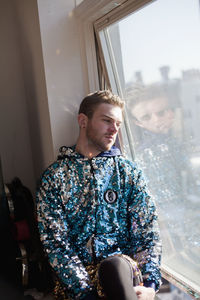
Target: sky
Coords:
[[165, 32]]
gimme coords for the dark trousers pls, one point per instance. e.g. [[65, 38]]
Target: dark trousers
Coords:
[[116, 278]]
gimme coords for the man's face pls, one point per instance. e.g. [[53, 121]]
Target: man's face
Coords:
[[154, 115], [103, 127]]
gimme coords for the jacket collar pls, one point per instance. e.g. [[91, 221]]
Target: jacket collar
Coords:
[[67, 152]]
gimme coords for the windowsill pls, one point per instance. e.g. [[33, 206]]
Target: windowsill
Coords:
[[181, 282]]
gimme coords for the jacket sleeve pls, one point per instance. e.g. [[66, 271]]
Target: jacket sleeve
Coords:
[[54, 236], [145, 244]]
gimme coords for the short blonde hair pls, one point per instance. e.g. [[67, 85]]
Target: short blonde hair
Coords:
[[93, 100]]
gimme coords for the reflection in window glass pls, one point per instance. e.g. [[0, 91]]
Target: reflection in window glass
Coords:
[[158, 65]]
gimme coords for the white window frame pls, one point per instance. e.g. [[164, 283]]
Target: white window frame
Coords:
[[97, 13], [87, 13], [94, 15]]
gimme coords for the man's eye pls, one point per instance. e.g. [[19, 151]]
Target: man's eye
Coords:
[[146, 118], [161, 113]]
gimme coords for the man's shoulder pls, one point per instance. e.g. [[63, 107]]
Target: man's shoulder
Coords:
[[125, 163], [62, 160], [66, 152], [52, 169]]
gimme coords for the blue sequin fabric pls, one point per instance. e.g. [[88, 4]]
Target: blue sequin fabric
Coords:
[[89, 209]]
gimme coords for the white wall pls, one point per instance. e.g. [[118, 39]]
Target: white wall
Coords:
[[42, 84], [35, 85], [15, 144], [63, 70]]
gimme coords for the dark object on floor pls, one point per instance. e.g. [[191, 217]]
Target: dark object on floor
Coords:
[[31, 267]]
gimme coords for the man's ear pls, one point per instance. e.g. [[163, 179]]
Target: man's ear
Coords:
[[82, 120]]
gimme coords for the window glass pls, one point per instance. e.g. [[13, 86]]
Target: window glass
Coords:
[[152, 59]]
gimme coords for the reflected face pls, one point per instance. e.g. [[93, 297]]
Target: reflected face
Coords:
[[103, 127], [154, 115]]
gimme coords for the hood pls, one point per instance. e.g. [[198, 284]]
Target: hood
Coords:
[[68, 152]]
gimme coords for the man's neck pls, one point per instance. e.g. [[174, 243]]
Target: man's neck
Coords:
[[86, 150]]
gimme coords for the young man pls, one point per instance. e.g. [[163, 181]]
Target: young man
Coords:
[[95, 216], [154, 115], [162, 158]]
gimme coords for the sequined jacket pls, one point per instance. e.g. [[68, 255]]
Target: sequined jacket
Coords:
[[89, 209]]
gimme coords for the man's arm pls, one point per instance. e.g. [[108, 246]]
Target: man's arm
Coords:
[[145, 245], [54, 236]]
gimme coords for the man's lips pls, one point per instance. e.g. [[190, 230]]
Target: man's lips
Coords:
[[109, 137], [164, 126]]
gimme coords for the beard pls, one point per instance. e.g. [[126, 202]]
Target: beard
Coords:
[[98, 142]]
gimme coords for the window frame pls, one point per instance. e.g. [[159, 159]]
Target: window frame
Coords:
[[92, 17]]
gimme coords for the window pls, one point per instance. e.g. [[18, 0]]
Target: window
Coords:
[[151, 58]]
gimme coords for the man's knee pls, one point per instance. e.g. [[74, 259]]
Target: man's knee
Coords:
[[116, 278], [115, 264]]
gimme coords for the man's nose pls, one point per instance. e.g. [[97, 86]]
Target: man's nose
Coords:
[[113, 128], [155, 118]]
